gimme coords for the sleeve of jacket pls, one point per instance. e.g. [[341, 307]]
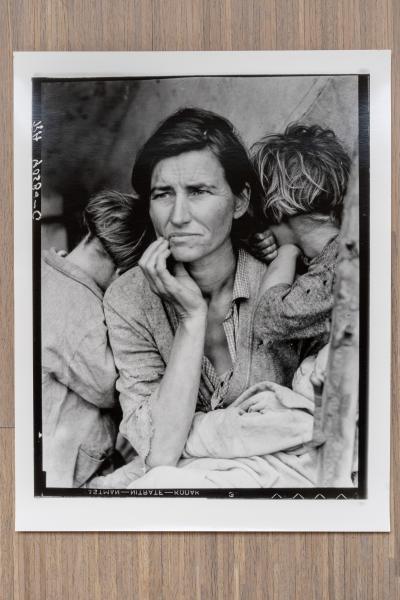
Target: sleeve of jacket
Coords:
[[140, 367], [301, 310]]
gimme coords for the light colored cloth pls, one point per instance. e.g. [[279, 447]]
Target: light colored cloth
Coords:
[[234, 449], [120, 478], [142, 329], [78, 375], [286, 422], [273, 471]]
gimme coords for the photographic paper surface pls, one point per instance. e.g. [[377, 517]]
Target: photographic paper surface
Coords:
[[207, 329]]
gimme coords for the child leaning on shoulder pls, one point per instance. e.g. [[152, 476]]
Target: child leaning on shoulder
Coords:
[[304, 174]]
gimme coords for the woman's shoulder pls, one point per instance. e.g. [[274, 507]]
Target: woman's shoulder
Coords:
[[130, 292], [132, 284]]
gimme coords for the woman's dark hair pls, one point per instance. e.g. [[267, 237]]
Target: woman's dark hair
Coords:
[[121, 224], [195, 129], [305, 170]]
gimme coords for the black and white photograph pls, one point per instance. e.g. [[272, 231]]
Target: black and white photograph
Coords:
[[201, 280]]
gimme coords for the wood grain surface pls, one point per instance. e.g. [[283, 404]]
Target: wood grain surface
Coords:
[[189, 565]]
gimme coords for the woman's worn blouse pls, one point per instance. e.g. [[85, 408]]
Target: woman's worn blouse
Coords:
[[142, 328], [213, 388]]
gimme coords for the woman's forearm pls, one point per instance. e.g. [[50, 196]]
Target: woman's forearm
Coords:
[[174, 405]]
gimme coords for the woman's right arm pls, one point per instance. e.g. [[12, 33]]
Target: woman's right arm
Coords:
[[174, 404], [159, 401]]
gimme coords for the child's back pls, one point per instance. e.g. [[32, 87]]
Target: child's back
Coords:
[[79, 401], [78, 375]]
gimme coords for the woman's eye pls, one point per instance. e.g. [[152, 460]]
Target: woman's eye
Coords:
[[160, 195], [198, 191]]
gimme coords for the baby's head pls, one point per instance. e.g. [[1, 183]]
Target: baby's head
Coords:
[[117, 231], [303, 171]]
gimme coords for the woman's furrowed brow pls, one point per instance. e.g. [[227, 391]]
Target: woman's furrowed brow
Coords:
[[160, 188], [199, 185]]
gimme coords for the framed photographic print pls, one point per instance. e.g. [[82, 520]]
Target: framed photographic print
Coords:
[[202, 290]]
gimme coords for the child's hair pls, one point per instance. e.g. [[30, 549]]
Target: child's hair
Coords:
[[122, 225], [302, 171]]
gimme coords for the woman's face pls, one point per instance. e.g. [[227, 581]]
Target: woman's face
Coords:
[[192, 205]]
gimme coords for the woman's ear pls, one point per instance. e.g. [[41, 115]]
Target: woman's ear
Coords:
[[242, 202]]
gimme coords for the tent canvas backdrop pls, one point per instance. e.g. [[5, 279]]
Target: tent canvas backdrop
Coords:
[[94, 128]]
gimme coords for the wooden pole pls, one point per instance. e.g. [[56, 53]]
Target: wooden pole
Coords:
[[339, 408]]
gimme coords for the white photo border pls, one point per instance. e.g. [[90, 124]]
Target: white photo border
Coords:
[[201, 514]]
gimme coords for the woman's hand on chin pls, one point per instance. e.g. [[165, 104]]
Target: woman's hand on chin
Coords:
[[178, 288]]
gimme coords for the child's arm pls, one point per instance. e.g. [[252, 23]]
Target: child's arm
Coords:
[[282, 270]]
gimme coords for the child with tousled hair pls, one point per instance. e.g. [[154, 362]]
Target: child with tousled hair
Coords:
[[304, 174]]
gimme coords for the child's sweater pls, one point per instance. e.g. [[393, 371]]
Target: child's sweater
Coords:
[[303, 309]]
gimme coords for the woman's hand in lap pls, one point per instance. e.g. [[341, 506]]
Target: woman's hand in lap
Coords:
[[261, 403], [179, 288]]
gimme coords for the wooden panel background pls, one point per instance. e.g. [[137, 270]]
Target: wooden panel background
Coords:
[[187, 565]]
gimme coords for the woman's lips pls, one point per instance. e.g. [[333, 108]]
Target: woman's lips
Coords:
[[176, 237]]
